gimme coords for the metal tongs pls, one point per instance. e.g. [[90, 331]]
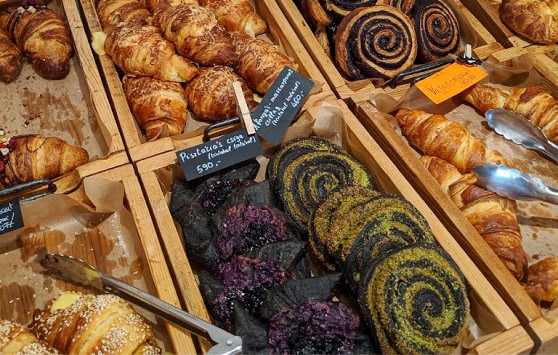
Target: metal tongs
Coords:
[[78, 271]]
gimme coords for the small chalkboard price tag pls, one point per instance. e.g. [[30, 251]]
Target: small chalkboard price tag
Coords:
[[10, 216], [218, 154], [281, 104]]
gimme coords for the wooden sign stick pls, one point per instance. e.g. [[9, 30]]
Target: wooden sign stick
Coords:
[[242, 109]]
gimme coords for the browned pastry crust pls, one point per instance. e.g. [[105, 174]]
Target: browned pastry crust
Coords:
[[437, 136], [260, 62], [493, 216], [315, 12], [536, 20], [211, 94], [404, 5], [143, 51], [542, 280], [114, 12], [33, 157], [44, 37], [11, 58], [160, 107], [16, 339], [237, 15], [197, 34], [534, 102]]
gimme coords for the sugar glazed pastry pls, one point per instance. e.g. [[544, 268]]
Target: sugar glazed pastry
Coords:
[[536, 20], [16, 339]]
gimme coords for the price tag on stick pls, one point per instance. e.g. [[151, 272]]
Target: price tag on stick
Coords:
[[10, 216]]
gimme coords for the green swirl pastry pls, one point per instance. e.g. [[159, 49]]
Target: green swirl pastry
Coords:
[[415, 301]]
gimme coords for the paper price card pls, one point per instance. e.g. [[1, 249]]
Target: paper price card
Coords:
[[450, 81], [10, 216]]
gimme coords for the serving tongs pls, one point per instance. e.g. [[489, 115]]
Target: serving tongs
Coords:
[[514, 184], [520, 130], [76, 270]]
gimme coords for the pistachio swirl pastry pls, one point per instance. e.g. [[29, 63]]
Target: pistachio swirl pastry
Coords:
[[376, 42], [437, 30], [415, 301]]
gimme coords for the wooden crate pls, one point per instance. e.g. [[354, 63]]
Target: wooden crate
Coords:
[[345, 88], [140, 238], [157, 173], [279, 32]]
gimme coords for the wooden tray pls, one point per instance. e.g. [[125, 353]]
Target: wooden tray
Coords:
[[345, 88], [157, 172]]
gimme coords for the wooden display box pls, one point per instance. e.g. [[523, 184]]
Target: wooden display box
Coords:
[[132, 234], [157, 173], [345, 88], [279, 32]]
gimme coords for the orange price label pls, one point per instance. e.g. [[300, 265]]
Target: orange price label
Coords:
[[450, 81]]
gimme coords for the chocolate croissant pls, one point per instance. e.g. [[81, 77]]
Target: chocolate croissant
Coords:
[[115, 12], [16, 338], [493, 216], [11, 58], [437, 136], [76, 323], [43, 36], [160, 107], [33, 157], [237, 15], [211, 95]]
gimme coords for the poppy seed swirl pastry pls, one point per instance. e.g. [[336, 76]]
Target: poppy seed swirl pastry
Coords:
[[341, 8], [375, 42]]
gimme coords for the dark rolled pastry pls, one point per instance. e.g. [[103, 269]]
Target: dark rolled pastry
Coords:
[[437, 30], [376, 42], [415, 300], [341, 8]]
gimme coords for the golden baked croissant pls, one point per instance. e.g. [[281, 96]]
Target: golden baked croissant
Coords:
[[75, 323], [493, 216], [533, 101], [114, 12], [160, 107], [260, 62], [32, 157], [11, 58], [143, 51], [237, 15], [541, 282], [44, 37], [197, 34], [536, 20], [16, 339], [211, 94], [437, 136]]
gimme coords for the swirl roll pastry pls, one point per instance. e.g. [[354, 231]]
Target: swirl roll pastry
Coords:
[[11, 58], [341, 8], [375, 42], [415, 300], [237, 15], [437, 30]]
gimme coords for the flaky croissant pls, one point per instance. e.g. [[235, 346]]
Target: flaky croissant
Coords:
[[211, 94], [76, 323], [143, 51], [260, 62], [112, 13], [44, 37], [533, 102], [542, 280], [437, 136], [17, 339], [160, 107], [32, 157], [11, 58], [237, 15], [493, 216], [197, 34]]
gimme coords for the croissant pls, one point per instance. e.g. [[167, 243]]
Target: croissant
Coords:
[[75, 323], [541, 282], [534, 102], [11, 58], [237, 15], [32, 157], [143, 51], [211, 94], [115, 12], [160, 107], [16, 339], [493, 216], [437, 136], [260, 62], [197, 34], [536, 20], [44, 37]]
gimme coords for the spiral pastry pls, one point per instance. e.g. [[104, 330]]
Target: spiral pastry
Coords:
[[375, 42], [339, 8], [437, 30], [415, 300]]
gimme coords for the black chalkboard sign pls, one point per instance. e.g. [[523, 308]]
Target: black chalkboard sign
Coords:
[[10, 216], [218, 154], [281, 104]]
